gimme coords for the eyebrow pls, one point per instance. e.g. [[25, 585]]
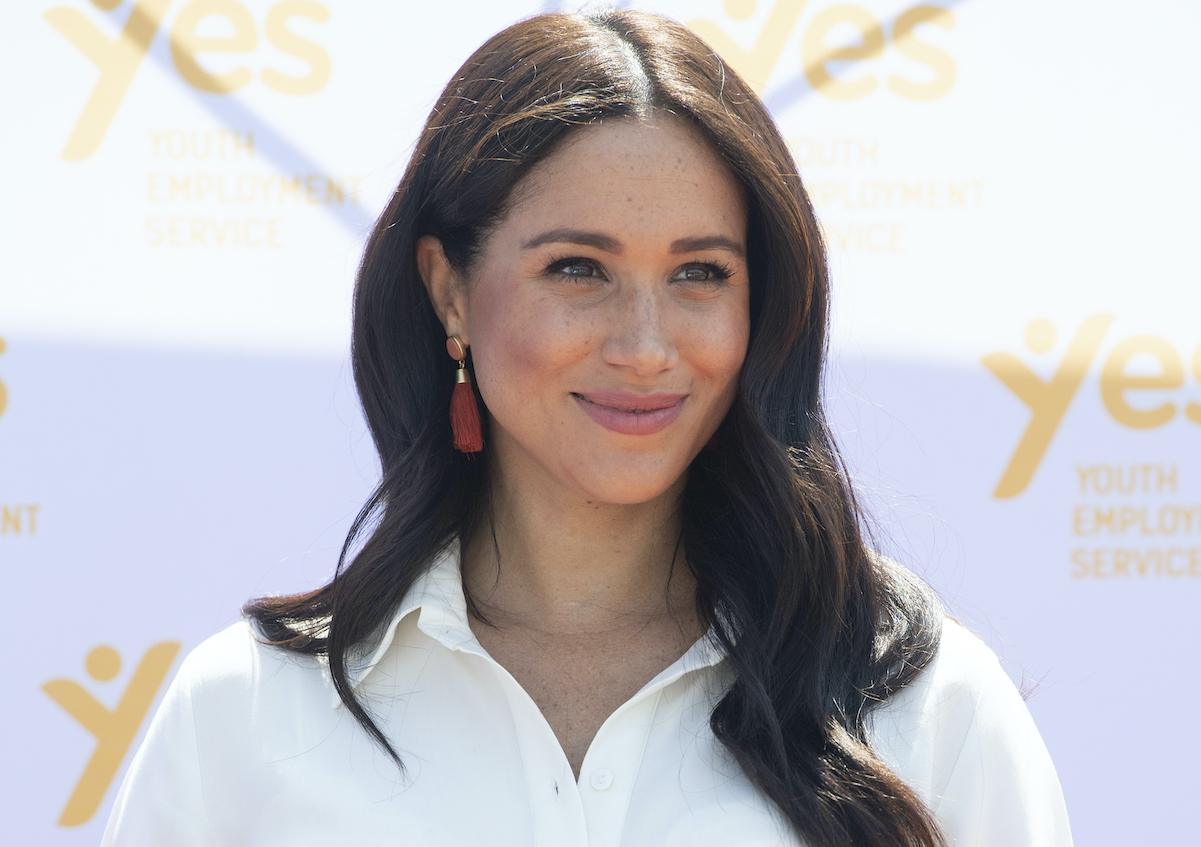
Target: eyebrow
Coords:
[[708, 242], [575, 236], [612, 245]]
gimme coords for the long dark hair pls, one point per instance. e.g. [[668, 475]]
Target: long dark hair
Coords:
[[817, 628]]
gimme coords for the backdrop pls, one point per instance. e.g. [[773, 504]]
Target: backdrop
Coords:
[[1008, 190]]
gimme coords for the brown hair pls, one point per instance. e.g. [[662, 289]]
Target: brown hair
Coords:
[[818, 630]]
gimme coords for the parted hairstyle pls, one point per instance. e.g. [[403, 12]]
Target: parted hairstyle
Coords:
[[818, 630]]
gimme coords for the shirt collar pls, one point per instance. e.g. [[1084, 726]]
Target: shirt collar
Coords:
[[438, 596]]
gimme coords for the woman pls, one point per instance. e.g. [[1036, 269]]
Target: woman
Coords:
[[629, 603]]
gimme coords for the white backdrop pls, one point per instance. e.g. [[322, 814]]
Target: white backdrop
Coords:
[[1009, 194]]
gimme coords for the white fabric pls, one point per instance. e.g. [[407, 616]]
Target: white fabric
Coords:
[[252, 747]]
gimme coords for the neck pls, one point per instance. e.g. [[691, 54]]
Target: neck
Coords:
[[567, 565]]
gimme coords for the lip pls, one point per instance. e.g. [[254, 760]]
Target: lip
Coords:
[[630, 413]]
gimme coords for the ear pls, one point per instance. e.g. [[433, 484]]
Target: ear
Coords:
[[447, 293]]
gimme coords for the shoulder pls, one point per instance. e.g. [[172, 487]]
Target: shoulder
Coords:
[[238, 704], [964, 666], [231, 654], [925, 724], [962, 737], [236, 710], [962, 687], [234, 666], [233, 650]]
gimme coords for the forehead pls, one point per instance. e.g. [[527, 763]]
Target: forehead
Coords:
[[645, 175]]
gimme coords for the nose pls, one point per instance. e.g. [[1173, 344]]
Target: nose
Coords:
[[639, 337]]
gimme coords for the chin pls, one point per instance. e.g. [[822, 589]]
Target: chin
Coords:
[[630, 486]]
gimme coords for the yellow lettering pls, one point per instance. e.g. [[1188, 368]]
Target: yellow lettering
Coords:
[[186, 44], [1193, 410], [1115, 382], [912, 193], [303, 49], [289, 188], [1106, 562], [312, 184], [1077, 521], [1146, 478], [19, 520], [1121, 561], [816, 53], [153, 188], [114, 729], [177, 145], [1047, 401], [204, 184], [156, 139], [894, 238], [179, 186], [205, 232], [919, 51], [244, 145], [755, 65], [334, 192], [117, 60], [873, 238]]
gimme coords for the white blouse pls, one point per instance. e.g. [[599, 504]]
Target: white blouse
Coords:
[[253, 747]]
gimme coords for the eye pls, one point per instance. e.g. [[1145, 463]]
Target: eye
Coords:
[[575, 269], [703, 273]]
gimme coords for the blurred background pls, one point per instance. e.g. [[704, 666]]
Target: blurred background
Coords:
[[1009, 195]]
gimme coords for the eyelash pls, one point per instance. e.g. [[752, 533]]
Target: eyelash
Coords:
[[719, 271]]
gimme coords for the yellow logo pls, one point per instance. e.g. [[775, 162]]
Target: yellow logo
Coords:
[[114, 728], [118, 60], [756, 65], [1048, 401]]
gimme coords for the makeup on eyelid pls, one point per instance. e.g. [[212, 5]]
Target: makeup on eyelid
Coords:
[[718, 271]]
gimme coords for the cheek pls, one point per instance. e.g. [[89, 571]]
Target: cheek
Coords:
[[520, 344], [717, 347]]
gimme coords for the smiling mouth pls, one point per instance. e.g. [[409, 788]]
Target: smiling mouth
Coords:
[[634, 408], [630, 414]]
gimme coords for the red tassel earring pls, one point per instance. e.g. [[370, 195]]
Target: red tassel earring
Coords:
[[464, 413]]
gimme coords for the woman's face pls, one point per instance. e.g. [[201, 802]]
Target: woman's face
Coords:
[[608, 315]]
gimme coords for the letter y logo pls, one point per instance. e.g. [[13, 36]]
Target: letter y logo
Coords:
[[117, 60], [114, 729], [1048, 401], [754, 65]]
